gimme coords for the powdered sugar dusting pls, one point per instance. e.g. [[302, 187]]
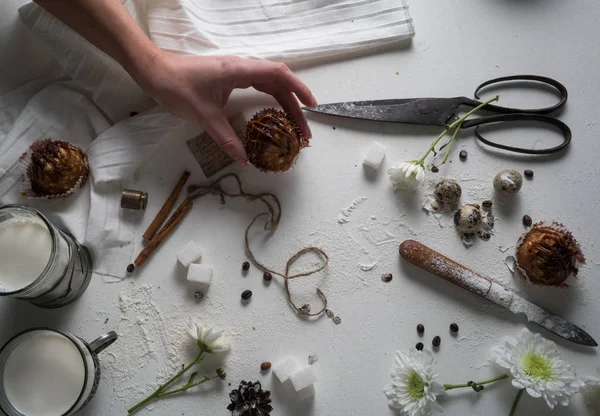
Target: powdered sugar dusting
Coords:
[[459, 275]]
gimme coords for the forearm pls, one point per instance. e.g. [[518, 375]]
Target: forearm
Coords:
[[108, 25]]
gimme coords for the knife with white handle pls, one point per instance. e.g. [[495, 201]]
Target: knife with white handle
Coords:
[[440, 265]]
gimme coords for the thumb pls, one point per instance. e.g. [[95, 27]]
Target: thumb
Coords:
[[219, 129]]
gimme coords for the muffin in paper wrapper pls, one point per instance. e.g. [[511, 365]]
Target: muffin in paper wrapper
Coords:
[[273, 140], [52, 169], [548, 254]]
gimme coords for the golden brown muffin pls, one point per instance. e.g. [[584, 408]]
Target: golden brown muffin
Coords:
[[56, 167], [273, 140], [548, 255]]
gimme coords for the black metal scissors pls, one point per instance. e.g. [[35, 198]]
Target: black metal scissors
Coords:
[[442, 112]]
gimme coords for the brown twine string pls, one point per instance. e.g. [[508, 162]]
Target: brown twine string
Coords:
[[273, 218]]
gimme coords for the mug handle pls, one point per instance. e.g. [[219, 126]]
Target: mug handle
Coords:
[[103, 342]]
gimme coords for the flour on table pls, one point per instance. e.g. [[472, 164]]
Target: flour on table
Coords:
[[345, 213]]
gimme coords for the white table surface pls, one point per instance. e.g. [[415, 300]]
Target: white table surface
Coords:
[[457, 46]]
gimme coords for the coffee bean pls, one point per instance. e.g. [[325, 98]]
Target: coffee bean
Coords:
[[246, 294], [267, 276], [487, 204], [527, 221], [454, 328], [245, 266], [387, 277], [436, 341], [463, 155], [265, 366], [420, 329], [419, 346], [528, 174], [130, 268]]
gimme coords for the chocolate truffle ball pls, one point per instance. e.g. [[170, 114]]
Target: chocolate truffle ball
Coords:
[[548, 255], [273, 140], [56, 167]]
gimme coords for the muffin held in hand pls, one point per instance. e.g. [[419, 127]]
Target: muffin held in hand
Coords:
[[57, 168], [273, 140], [548, 254]]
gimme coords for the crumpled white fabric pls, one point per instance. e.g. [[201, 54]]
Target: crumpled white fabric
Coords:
[[92, 109]]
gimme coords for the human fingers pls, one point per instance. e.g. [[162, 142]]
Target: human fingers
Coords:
[[253, 71], [290, 104], [219, 129]]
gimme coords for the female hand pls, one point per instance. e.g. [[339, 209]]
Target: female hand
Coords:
[[197, 88]]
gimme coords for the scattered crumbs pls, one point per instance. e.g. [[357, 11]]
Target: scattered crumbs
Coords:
[[106, 321], [253, 328], [367, 267], [312, 359], [397, 73], [510, 263], [334, 127]]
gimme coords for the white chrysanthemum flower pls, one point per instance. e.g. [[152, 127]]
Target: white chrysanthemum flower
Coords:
[[412, 389], [536, 366], [208, 339], [591, 394], [407, 175]]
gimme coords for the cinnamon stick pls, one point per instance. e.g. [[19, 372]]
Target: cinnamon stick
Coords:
[[164, 232], [164, 211]]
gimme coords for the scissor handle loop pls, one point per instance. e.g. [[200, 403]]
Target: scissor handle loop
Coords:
[[546, 110], [518, 117]]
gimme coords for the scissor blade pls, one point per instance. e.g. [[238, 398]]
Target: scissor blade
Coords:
[[424, 111]]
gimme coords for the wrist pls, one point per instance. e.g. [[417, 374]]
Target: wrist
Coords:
[[145, 67]]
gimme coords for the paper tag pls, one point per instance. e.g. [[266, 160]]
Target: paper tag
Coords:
[[208, 154]]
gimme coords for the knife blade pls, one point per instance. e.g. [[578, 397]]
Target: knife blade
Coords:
[[440, 265], [422, 111]]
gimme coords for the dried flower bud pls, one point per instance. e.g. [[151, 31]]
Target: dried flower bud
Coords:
[[221, 373]]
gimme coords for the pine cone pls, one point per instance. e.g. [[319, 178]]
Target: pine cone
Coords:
[[249, 399]]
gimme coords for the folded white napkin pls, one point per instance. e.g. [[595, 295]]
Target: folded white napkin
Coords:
[[289, 31], [93, 110]]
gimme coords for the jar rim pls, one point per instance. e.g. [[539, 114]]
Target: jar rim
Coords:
[[53, 254], [67, 336]]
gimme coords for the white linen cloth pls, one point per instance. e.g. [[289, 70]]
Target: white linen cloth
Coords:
[[92, 109]]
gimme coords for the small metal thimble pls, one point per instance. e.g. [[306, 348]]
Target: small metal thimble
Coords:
[[132, 199]]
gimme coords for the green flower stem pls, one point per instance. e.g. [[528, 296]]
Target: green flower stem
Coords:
[[460, 386], [163, 387], [187, 386], [457, 124], [432, 147], [451, 142], [516, 402]]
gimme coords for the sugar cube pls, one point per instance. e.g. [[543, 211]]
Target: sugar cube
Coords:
[[190, 253], [306, 392], [199, 274], [375, 155], [303, 378], [285, 368]]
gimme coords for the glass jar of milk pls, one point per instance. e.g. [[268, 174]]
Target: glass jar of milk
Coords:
[[39, 262], [46, 372]]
